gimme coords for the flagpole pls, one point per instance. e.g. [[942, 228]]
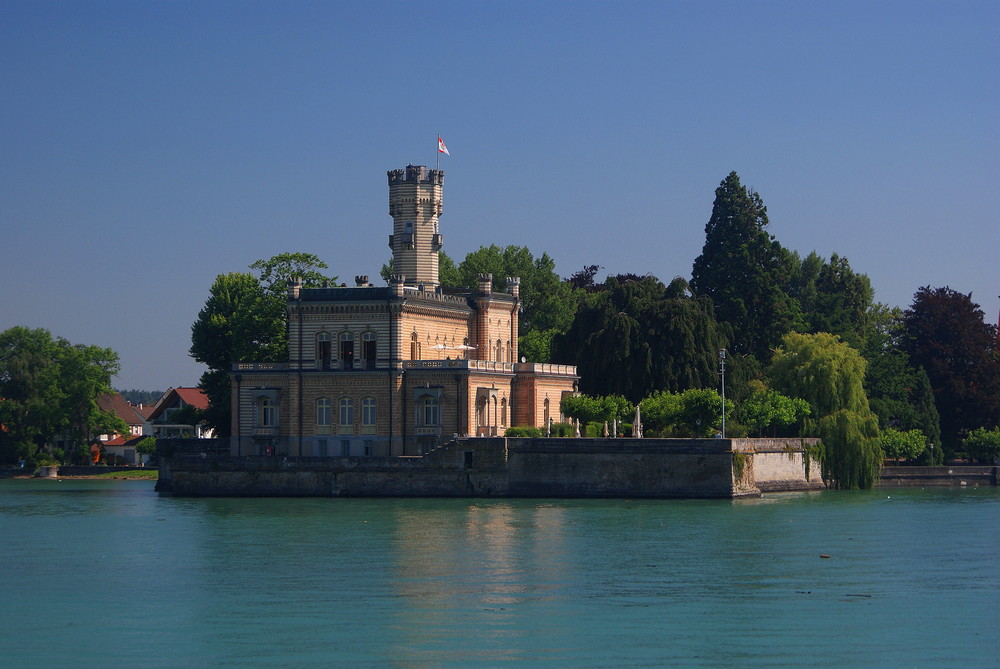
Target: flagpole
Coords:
[[437, 150]]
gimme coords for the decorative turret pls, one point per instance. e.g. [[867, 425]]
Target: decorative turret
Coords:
[[486, 284], [415, 196]]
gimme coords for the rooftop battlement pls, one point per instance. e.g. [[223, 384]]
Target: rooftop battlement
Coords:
[[416, 174]]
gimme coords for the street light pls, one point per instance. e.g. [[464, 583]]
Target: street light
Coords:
[[722, 370]]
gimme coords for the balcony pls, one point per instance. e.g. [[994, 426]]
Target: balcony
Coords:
[[475, 365], [546, 368]]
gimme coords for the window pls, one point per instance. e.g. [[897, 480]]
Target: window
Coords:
[[430, 411], [346, 350], [545, 410], [346, 416], [510, 352], [324, 412], [414, 347], [369, 447], [369, 415], [267, 412], [499, 351], [323, 350], [345, 448], [322, 448], [369, 349], [503, 411]]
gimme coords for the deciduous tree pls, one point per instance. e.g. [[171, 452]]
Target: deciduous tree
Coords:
[[945, 332]]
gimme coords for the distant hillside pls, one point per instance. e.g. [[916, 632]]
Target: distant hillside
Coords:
[[141, 396]]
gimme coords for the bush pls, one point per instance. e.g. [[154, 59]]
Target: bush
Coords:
[[524, 431], [983, 445]]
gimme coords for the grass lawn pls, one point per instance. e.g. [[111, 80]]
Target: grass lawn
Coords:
[[146, 474]]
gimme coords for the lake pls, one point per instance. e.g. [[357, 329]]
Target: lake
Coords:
[[109, 574]]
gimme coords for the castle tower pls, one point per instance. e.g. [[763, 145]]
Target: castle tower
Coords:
[[415, 205]]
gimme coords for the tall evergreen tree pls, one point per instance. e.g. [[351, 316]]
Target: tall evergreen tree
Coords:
[[745, 271]]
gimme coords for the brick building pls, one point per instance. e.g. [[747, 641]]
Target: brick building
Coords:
[[397, 369]]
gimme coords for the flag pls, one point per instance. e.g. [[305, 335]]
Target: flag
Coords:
[[441, 147]]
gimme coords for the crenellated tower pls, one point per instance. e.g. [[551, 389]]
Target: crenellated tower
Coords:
[[415, 206]]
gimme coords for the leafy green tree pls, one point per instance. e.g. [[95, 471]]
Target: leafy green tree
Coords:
[[660, 410], [146, 446], [240, 322], [945, 332], [48, 391], [546, 300], [700, 413], [274, 272], [983, 445], [903, 445], [829, 374], [745, 271], [767, 408], [590, 409]]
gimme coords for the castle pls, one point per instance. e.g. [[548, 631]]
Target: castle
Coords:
[[399, 369]]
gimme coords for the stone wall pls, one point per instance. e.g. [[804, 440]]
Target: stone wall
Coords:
[[498, 467]]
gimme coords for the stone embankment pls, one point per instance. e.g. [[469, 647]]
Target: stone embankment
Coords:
[[498, 467]]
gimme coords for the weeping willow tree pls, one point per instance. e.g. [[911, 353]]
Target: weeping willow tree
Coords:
[[829, 374]]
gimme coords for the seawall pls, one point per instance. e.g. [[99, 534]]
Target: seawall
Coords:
[[499, 467]]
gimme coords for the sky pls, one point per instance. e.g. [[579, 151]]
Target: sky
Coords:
[[146, 147]]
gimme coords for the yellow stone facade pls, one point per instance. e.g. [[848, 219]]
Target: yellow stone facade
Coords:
[[398, 369]]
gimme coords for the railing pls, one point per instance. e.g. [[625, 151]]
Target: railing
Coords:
[[479, 365], [260, 366], [545, 368]]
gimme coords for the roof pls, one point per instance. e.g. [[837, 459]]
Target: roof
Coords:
[[114, 403], [196, 397]]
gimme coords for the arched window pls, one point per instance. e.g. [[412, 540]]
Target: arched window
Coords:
[[414, 347], [503, 411], [369, 349], [324, 412], [510, 352], [346, 350], [323, 350], [545, 411], [267, 412], [346, 422], [369, 415], [499, 351]]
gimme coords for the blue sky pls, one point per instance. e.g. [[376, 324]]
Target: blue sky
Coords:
[[148, 146]]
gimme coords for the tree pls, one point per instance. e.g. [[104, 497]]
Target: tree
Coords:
[[745, 271], [829, 374], [447, 271], [146, 446], [833, 298], [945, 332], [767, 408], [275, 272], [48, 391], [636, 335], [546, 300], [590, 409], [983, 445], [240, 322], [902, 445], [700, 412]]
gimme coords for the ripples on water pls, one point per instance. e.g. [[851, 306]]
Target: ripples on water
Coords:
[[106, 573]]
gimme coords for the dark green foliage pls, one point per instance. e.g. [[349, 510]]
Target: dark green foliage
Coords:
[[589, 409], [145, 397], [48, 390], [546, 300], [240, 322], [637, 335], [146, 446], [745, 271], [276, 271], [696, 412], [525, 431], [945, 332], [833, 298]]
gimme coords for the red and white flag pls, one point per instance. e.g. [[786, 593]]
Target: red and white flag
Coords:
[[441, 147]]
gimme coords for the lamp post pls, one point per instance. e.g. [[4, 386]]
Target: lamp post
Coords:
[[722, 371]]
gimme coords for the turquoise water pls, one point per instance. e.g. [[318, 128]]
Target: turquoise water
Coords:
[[108, 574]]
